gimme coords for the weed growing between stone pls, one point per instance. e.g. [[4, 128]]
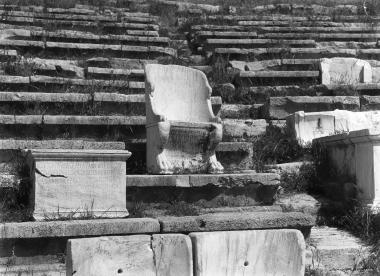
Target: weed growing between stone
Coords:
[[303, 180], [276, 146]]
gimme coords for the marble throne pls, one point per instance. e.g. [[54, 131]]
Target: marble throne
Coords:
[[182, 130]]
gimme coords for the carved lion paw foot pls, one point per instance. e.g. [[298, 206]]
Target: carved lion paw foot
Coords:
[[164, 164], [214, 165]]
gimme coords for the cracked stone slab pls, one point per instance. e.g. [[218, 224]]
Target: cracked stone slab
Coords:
[[257, 252], [157, 255]]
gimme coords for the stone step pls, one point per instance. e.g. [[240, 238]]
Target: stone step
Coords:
[[53, 265], [253, 43], [78, 36], [7, 55], [56, 84], [334, 249], [257, 78], [241, 111], [109, 73], [79, 23], [128, 32], [199, 180], [237, 221], [324, 36], [276, 64], [239, 130], [134, 51], [82, 17], [33, 103], [234, 156], [315, 30], [201, 35], [298, 53], [281, 107]]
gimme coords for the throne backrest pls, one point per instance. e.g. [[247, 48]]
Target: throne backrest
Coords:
[[345, 71], [179, 93]]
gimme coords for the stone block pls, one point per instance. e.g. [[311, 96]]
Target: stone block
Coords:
[[259, 252], [119, 255], [345, 71], [308, 126], [356, 155], [78, 182], [173, 254], [158, 255]]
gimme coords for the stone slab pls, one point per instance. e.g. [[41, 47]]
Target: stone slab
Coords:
[[93, 182], [126, 255], [255, 42], [235, 221], [78, 228], [199, 180], [264, 252], [281, 107], [172, 254]]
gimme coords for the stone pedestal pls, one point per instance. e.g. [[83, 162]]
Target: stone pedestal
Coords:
[[356, 156], [78, 183]]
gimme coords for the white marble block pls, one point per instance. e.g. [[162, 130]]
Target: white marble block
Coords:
[[79, 183], [345, 71], [103, 256], [182, 131], [356, 155], [254, 252], [157, 255], [306, 126]]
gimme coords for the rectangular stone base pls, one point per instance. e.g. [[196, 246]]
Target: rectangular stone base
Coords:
[[78, 183]]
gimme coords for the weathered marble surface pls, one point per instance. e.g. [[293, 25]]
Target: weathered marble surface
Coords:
[[182, 131], [263, 252], [356, 155], [345, 71], [308, 126], [157, 255], [120, 255], [78, 183]]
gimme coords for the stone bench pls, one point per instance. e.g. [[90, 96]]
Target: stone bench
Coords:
[[186, 127], [353, 156]]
